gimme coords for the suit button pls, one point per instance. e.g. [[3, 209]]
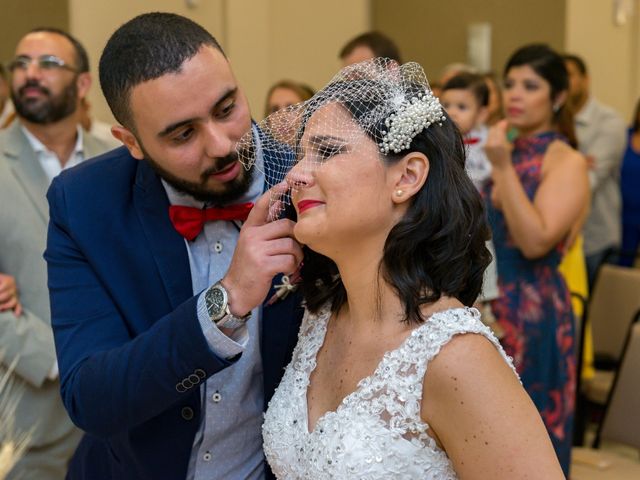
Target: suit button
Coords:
[[195, 379], [187, 413], [200, 373]]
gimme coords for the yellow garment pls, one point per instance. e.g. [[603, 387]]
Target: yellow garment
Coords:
[[574, 271]]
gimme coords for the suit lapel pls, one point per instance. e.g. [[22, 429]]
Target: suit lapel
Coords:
[[165, 244], [280, 325], [26, 168]]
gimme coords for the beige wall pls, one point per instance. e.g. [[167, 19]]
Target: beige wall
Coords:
[[92, 22], [434, 32], [266, 40], [610, 51], [20, 16]]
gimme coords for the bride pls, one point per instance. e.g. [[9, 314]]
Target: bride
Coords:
[[394, 376]]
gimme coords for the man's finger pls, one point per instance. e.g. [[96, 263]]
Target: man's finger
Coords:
[[259, 214]]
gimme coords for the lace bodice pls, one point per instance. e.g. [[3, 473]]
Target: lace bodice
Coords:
[[376, 432]]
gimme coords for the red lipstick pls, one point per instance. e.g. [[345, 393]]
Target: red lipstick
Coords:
[[304, 205]]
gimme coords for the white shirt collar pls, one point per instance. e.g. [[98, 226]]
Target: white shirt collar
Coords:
[[48, 160], [39, 147], [584, 116]]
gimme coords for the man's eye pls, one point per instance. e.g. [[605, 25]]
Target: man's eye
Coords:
[[227, 109], [48, 64], [183, 136]]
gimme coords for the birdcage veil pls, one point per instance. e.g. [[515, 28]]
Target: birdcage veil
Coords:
[[388, 102]]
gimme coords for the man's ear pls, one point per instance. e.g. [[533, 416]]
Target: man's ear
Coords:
[[129, 140], [83, 82], [409, 176]]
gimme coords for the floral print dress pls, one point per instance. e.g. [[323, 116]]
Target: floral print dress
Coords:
[[534, 308]]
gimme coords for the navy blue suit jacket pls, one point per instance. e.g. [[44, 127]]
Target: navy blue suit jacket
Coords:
[[125, 323]]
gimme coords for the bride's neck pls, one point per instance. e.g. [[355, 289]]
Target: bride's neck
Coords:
[[369, 297]]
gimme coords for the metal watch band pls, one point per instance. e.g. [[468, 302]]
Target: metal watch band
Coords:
[[231, 321]]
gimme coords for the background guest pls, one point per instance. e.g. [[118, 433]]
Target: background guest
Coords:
[[50, 76], [531, 211], [600, 134], [369, 45], [285, 93], [630, 188]]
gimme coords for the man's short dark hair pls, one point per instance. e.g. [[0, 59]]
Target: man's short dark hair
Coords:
[[380, 45], [82, 59], [145, 48], [473, 82], [577, 61]]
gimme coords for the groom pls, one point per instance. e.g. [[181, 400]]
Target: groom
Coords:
[[167, 356]]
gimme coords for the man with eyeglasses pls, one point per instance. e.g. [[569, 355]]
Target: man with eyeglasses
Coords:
[[48, 77]]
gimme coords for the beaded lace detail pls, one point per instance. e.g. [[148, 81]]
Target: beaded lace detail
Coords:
[[376, 432]]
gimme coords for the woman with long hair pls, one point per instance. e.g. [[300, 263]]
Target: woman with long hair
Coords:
[[538, 192], [394, 374]]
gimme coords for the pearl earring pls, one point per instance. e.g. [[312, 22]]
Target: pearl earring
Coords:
[[399, 193]]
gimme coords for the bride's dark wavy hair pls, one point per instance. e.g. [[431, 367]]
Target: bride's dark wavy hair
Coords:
[[437, 248]]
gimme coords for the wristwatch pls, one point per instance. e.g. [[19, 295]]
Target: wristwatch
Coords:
[[217, 301]]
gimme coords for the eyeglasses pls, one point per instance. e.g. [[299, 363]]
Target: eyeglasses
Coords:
[[44, 62]]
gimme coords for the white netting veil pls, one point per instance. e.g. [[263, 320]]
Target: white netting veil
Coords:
[[386, 102]]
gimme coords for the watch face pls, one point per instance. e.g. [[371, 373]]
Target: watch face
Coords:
[[216, 302]]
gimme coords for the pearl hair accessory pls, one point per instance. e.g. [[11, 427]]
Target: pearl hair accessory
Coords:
[[412, 117]]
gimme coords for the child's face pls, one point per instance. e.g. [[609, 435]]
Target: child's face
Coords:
[[463, 108]]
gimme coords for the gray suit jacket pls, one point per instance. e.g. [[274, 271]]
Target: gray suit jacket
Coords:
[[24, 217]]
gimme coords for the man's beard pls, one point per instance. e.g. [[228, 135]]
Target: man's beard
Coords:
[[233, 190], [48, 110]]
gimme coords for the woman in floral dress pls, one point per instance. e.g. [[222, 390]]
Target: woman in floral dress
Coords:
[[539, 190]]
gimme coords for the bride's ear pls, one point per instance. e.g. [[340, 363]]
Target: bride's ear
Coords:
[[409, 175]]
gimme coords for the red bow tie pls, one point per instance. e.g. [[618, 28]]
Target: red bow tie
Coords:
[[471, 140], [189, 221]]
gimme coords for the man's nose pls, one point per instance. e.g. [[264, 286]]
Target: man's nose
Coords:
[[218, 144], [33, 70]]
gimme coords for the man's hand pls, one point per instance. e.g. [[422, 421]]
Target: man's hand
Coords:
[[9, 295], [264, 249]]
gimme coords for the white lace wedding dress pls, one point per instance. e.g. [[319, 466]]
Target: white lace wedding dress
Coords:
[[376, 432]]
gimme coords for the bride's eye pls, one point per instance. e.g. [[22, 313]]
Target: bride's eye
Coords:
[[325, 152]]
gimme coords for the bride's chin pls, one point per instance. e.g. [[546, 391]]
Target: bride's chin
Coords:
[[308, 237]]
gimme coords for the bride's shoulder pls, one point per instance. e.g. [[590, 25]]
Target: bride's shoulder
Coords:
[[459, 334]]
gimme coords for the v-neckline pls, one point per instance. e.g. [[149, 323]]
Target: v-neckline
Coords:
[[385, 356]]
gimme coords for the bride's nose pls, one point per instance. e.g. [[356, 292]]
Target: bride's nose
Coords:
[[300, 176]]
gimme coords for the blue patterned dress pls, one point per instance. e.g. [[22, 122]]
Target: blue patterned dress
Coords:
[[534, 309]]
